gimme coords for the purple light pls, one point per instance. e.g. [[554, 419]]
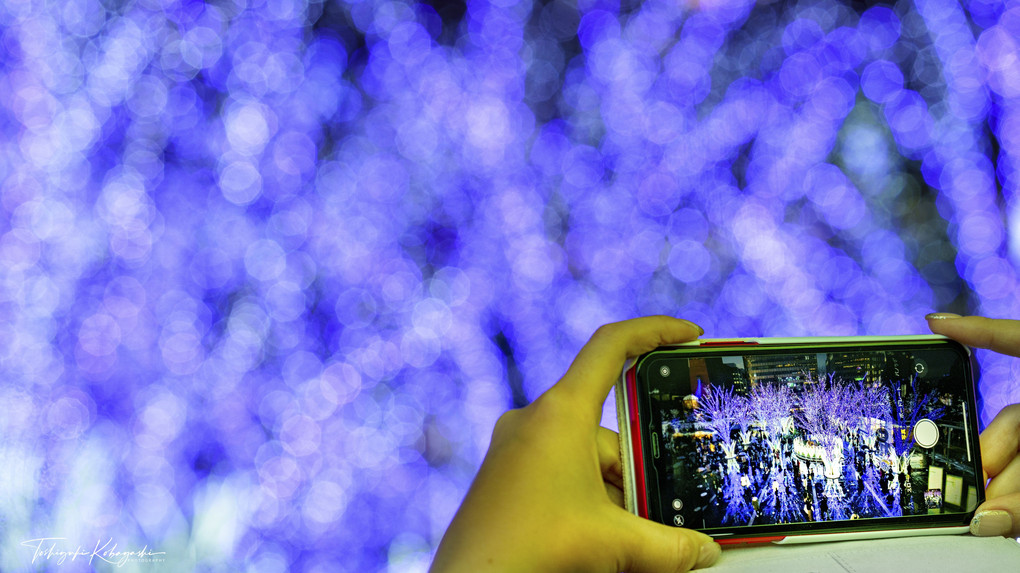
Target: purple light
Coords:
[[881, 81], [596, 26], [997, 49], [801, 34], [280, 268], [880, 27], [689, 261]]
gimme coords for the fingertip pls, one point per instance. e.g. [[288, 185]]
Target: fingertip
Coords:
[[701, 331], [999, 335], [997, 516], [941, 316], [667, 328], [937, 321], [652, 547], [598, 364], [689, 331], [640, 335], [708, 555], [992, 523]]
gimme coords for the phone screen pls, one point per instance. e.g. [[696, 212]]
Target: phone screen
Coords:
[[740, 441]]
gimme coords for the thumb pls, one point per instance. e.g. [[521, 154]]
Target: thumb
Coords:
[[655, 548], [998, 517]]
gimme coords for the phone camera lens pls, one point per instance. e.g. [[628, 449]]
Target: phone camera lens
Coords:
[[664, 371]]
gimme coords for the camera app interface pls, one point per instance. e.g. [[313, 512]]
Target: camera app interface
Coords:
[[804, 437]]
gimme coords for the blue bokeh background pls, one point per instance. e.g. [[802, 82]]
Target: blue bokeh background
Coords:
[[271, 269]]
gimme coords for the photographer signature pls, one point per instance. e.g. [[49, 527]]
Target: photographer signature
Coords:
[[46, 548]]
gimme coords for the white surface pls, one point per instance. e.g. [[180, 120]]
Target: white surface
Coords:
[[876, 534], [955, 553]]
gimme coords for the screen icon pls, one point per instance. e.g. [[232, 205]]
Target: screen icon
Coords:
[[926, 433]]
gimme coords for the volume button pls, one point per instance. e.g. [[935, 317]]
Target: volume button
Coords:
[[655, 446]]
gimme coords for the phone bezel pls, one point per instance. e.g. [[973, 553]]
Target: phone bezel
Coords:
[[632, 446]]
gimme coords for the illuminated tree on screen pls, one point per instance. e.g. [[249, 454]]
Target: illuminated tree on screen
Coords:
[[910, 405], [743, 419], [829, 411], [770, 405], [825, 414], [871, 402], [868, 500], [720, 410], [778, 497]]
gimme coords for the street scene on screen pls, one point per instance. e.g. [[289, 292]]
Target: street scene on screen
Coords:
[[781, 439]]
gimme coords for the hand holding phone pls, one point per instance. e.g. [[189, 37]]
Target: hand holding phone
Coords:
[[539, 501], [1000, 441]]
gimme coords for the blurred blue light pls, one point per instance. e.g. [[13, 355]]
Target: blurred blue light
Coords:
[[909, 120], [689, 261], [801, 34], [597, 26], [881, 81], [274, 269], [880, 27]]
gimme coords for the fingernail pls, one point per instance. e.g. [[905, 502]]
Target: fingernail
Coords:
[[695, 325], [708, 554], [991, 523], [941, 316]]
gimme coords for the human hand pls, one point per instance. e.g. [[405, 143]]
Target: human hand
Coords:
[[1000, 442], [548, 494]]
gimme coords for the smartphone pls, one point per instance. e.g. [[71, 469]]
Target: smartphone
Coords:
[[792, 440]]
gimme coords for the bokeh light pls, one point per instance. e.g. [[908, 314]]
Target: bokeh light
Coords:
[[272, 269]]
